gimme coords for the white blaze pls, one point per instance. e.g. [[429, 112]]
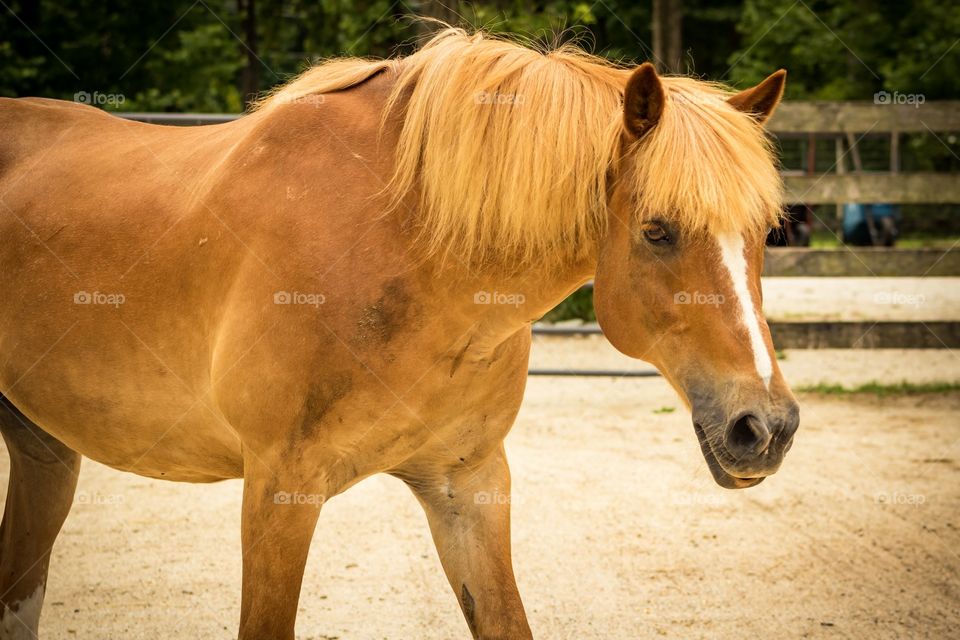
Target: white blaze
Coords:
[[731, 250]]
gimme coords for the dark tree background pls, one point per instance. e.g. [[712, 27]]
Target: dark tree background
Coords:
[[214, 55]]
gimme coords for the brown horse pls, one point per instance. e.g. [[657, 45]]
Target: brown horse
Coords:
[[342, 283]]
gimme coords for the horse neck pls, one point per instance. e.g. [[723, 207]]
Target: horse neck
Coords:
[[499, 304], [542, 286]]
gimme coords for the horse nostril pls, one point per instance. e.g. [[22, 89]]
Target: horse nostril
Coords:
[[748, 436]]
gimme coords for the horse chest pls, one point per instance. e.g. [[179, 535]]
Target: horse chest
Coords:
[[469, 418]]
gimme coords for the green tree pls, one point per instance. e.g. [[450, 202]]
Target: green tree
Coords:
[[848, 50]]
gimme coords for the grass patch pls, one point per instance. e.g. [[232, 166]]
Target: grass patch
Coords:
[[826, 239], [881, 390]]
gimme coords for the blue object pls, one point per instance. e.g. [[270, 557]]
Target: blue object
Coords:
[[856, 227]]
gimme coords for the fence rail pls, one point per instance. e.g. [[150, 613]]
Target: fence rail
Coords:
[[861, 117], [819, 334], [179, 119], [853, 262], [867, 188]]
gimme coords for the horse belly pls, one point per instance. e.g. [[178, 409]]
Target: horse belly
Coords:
[[158, 440], [127, 386]]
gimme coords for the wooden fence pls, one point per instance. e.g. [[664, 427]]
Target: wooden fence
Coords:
[[845, 123]]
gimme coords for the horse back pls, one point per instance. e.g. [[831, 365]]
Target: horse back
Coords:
[[30, 126]]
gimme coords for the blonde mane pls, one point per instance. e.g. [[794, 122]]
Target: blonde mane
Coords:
[[512, 150]]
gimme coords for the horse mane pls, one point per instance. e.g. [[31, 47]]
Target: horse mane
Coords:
[[512, 150]]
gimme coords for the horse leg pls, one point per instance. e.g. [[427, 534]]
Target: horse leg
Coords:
[[468, 510], [43, 477], [281, 505]]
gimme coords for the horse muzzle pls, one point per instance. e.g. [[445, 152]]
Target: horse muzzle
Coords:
[[744, 448]]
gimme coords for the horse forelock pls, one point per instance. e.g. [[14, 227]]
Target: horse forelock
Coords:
[[706, 165]]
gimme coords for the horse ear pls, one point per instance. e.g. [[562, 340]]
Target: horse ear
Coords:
[[643, 100], [761, 101]]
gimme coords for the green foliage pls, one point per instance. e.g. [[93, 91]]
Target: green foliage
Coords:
[[180, 55], [923, 56], [199, 68], [849, 50], [171, 56], [578, 305], [183, 56]]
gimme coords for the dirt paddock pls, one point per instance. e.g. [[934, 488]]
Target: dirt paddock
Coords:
[[619, 531]]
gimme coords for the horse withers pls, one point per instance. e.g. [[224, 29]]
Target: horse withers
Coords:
[[342, 282]]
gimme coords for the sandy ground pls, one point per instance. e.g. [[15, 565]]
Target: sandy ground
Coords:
[[619, 531]]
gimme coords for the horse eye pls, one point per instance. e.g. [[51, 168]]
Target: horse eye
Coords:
[[656, 234]]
